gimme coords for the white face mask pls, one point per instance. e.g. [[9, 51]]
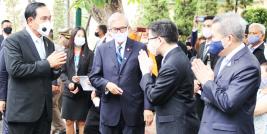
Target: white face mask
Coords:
[[206, 32], [120, 37], [44, 28], [79, 41]]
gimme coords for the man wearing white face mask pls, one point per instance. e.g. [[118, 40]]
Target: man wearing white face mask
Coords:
[[203, 52], [256, 37], [31, 64], [116, 75]]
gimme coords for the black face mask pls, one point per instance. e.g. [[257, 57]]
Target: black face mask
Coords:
[[8, 30], [96, 34]]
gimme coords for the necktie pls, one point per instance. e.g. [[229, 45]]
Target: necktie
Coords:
[[118, 53]]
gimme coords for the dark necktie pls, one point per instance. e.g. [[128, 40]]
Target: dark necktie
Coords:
[[118, 53]]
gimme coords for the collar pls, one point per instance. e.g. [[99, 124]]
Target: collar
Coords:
[[235, 51], [122, 45], [33, 36], [5, 35], [255, 47], [167, 52]]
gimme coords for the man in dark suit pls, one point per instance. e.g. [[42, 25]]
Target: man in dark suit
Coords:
[[230, 91], [3, 89], [207, 57], [6, 26], [172, 91], [256, 38], [116, 75], [31, 65]]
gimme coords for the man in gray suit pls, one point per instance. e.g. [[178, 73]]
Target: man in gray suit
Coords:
[[31, 65], [230, 91]]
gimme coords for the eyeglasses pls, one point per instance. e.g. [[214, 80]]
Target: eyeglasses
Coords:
[[152, 38], [121, 29]]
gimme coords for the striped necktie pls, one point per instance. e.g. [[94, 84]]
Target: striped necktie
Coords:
[[118, 53]]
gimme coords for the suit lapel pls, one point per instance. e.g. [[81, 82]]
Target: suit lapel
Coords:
[[233, 61], [127, 52], [31, 44], [112, 50]]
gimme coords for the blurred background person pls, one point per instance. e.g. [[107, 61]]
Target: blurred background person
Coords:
[[6, 26], [75, 101], [58, 125], [256, 36], [100, 32], [260, 112]]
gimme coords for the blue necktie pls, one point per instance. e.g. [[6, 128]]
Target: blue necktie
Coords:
[[118, 53]]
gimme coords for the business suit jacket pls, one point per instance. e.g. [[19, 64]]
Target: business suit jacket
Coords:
[[30, 78], [106, 69], [84, 68], [230, 99], [1, 40], [3, 77], [204, 58], [259, 53], [172, 95]]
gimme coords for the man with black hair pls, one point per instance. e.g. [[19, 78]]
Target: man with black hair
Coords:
[[6, 30], [101, 34], [31, 64], [172, 91]]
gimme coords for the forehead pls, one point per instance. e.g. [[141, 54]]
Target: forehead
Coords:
[[80, 33], [254, 29], [7, 23], [207, 22], [42, 11], [118, 23], [215, 28]]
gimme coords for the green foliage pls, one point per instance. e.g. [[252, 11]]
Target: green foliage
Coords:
[[153, 10], [59, 17], [13, 13], [256, 15], [184, 15], [207, 7]]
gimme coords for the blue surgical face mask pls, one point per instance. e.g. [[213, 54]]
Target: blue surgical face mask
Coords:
[[216, 47], [252, 39]]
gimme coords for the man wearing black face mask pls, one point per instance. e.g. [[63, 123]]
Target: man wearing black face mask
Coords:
[[101, 33], [6, 30]]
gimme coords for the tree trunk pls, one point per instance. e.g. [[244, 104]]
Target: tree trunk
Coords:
[[102, 14]]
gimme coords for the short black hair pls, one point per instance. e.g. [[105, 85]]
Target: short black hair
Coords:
[[166, 29], [209, 18], [4, 21], [103, 28], [30, 10]]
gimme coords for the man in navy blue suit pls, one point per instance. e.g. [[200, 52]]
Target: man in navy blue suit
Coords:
[[116, 75], [230, 91]]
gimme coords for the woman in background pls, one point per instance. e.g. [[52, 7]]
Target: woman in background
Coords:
[[75, 101]]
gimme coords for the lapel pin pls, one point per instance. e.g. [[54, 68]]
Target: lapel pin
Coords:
[[128, 49]]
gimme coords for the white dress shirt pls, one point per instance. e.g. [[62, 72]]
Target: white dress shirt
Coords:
[[227, 59], [122, 48], [38, 42]]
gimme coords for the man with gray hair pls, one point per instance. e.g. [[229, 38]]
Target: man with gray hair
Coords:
[[256, 37], [230, 91], [116, 75]]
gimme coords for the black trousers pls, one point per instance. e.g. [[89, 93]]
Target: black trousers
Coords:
[[41, 126], [121, 128]]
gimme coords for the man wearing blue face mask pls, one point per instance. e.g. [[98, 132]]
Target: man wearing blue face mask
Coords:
[[256, 41], [230, 90]]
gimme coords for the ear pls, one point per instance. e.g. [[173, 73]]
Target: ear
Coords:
[[29, 20]]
